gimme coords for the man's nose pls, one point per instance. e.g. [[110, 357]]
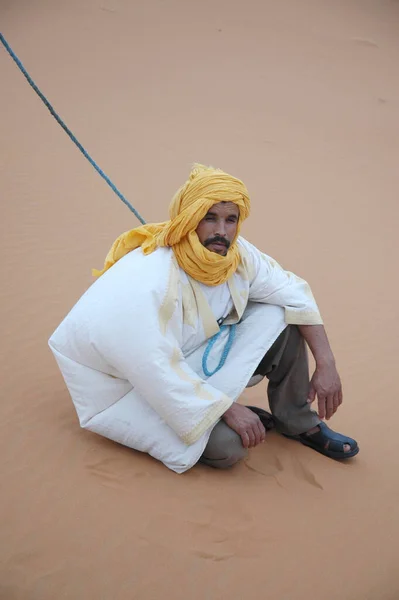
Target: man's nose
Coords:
[[221, 229]]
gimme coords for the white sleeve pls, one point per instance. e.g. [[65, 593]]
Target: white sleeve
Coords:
[[271, 284]]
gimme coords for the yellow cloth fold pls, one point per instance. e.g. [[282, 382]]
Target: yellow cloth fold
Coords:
[[204, 188]]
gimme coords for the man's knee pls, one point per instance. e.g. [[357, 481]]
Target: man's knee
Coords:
[[288, 341], [224, 448]]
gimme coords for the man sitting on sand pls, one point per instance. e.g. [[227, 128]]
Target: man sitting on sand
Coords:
[[184, 316]]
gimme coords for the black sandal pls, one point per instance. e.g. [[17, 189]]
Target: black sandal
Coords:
[[327, 442], [265, 417]]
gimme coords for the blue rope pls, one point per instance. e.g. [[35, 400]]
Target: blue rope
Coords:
[[225, 352], [212, 341], [67, 130]]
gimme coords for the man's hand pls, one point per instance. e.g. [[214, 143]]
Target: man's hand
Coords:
[[246, 423], [326, 385]]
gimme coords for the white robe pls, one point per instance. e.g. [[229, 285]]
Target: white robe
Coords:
[[131, 349]]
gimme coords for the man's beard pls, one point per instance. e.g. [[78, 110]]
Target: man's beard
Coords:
[[218, 240]]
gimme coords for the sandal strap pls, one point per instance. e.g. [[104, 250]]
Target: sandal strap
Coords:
[[335, 440], [265, 417]]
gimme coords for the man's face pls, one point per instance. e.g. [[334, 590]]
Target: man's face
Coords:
[[218, 228]]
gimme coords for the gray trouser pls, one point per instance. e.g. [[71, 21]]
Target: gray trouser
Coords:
[[286, 366]]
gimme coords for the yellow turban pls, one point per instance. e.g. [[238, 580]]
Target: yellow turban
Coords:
[[205, 187]]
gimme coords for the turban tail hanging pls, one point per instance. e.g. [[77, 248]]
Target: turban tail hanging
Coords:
[[205, 187]]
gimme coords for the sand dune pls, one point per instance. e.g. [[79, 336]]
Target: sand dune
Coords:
[[300, 100]]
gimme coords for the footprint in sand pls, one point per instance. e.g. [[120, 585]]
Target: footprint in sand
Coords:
[[303, 473], [218, 536], [107, 471], [365, 42], [264, 461]]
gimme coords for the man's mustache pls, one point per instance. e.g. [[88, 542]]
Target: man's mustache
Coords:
[[218, 240]]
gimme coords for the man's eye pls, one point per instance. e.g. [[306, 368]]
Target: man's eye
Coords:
[[209, 218]]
